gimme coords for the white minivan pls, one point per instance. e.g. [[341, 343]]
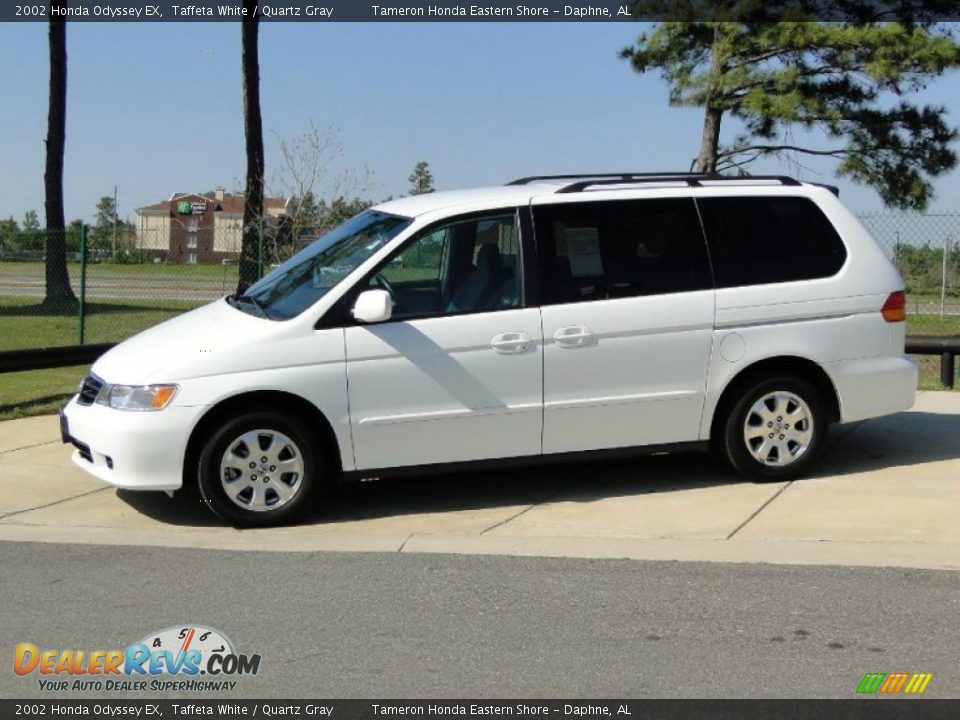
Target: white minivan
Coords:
[[552, 318]]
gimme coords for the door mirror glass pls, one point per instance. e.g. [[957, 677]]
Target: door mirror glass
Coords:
[[373, 306]]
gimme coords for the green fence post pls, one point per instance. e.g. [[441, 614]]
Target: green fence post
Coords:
[[83, 283], [259, 250]]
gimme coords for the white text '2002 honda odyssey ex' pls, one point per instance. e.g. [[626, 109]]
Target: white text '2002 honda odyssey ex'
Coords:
[[553, 317]]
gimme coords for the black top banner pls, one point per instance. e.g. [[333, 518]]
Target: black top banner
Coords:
[[484, 11], [453, 709]]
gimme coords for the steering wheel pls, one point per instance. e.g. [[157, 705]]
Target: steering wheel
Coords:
[[385, 284]]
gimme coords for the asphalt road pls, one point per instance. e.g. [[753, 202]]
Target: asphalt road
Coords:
[[129, 287], [395, 625]]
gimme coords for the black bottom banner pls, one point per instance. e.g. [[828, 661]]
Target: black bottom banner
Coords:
[[872, 709]]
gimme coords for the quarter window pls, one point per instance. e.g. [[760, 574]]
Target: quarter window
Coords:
[[760, 240], [623, 248]]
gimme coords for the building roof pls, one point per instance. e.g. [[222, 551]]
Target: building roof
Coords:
[[157, 209], [231, 203]]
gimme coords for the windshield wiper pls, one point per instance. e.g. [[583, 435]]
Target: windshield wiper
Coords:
[[250, 300]]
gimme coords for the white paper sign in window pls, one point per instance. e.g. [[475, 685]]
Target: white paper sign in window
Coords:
[[583, 251]]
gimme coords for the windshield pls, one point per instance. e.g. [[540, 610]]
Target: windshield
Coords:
[[298, 283]]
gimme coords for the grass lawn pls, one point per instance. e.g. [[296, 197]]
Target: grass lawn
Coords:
[[174, 270], [930, 373], [37, 392], [24, 324], [933, 324]]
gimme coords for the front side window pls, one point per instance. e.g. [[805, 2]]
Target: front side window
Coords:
[[310, 274], [465, 266], [760, 240], [623, 248]]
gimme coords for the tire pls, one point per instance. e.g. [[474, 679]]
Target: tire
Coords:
[[260, 468], [758, 439]]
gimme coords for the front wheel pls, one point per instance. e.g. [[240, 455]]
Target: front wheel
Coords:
[[775, 430], [259, 468]]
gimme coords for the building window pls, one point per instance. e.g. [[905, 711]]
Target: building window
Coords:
[[191, 224], [192, 259], [192, 240]]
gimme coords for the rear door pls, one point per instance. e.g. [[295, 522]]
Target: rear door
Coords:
[[627, 309]]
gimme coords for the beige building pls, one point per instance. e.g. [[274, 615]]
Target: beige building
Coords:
[[198, 228]]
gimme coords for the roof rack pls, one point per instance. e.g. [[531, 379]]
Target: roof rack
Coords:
[[622, 176], [584, 181]]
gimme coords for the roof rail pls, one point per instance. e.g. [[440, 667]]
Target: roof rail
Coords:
[[624, 176], [581, 181], [691, 179]]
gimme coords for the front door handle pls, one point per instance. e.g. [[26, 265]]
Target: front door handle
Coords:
[[510, 343], [572, 336]]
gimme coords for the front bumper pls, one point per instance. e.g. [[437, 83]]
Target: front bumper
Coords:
[[133, 450]]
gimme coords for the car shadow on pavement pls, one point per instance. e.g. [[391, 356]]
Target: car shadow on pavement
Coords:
[[185, 508], [580, 482], [906, 439]]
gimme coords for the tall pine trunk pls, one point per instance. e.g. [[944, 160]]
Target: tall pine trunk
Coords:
[[710, 139], [253, 128], [58, 291]]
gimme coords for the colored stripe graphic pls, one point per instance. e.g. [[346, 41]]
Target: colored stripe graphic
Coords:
[[893, 683], [918, 682], [871, 682]]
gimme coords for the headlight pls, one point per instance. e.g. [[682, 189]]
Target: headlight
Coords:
[[137, 397]]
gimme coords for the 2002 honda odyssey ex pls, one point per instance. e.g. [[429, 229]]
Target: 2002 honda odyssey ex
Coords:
[[552, 317]]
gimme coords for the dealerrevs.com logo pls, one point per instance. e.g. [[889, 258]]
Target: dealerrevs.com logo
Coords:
[[180, 658]]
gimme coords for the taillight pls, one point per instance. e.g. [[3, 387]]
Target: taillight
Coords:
[[895, 308]]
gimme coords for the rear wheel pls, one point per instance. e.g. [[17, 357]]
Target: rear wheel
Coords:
[[259, 468], [775, 430]]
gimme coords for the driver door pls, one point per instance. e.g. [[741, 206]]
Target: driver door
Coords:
[[456, 374]]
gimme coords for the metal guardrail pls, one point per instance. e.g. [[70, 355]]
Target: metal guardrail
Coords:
[[15, 360], [947, 347]]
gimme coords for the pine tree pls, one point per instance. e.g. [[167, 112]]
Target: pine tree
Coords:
[[421, 179], [852, 81]]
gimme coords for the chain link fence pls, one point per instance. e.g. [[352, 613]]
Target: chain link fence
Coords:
[[122, 284], [143, 275], [926, 250]]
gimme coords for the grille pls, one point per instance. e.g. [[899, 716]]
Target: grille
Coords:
[[89, 389]]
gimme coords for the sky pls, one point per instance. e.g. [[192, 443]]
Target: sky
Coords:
[[156, 108]]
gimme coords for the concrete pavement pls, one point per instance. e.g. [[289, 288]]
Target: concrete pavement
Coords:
[[886, 493]]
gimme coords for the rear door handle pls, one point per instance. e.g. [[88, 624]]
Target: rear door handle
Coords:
[[572, 336], [510, 343]]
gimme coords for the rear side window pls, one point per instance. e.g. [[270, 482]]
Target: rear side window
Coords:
[[624, 248], [760, 240]]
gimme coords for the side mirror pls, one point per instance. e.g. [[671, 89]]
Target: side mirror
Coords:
[[373, 306]]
